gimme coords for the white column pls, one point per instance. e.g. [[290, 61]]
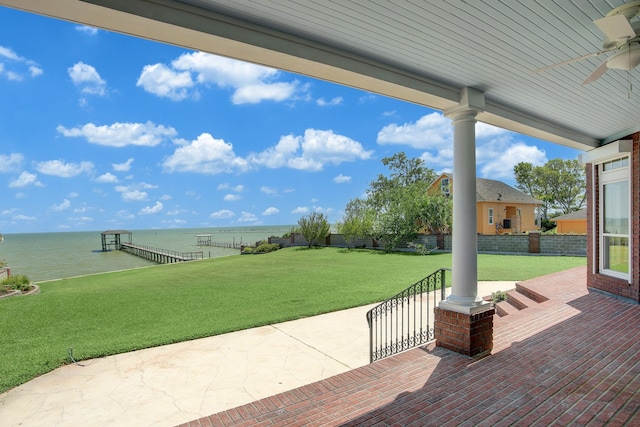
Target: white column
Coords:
[[464, 290]]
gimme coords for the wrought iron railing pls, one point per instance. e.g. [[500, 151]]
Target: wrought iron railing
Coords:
[[405, 320]]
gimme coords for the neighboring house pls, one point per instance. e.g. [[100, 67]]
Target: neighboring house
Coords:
[[572, 223], [501, 209]]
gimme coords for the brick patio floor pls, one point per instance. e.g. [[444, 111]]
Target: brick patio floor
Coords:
[[571, 360]]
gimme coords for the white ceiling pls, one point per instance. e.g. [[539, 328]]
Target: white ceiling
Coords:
[[423, 51]]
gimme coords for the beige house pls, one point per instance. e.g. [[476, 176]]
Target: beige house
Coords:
[[501, 208], [572, 223]]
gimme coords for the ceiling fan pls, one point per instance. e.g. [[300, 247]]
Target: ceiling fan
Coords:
[[620, 35]]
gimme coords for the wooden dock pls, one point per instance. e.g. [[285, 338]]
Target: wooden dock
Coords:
[[161, 256], [206, 240]]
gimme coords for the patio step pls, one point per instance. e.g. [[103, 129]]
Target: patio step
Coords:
[[503, 308], [519, 300], [531, 292]]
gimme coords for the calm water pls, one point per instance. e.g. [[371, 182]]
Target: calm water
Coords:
[[45, 256]]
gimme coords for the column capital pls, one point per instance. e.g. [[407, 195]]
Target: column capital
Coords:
[[471, 103]]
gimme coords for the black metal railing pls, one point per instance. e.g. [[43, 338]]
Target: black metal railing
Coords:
[[405, 320]]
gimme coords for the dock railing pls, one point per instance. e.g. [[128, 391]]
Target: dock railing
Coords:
[[162, 256]]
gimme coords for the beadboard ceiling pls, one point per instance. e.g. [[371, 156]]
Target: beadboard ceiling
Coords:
[[422, 51]]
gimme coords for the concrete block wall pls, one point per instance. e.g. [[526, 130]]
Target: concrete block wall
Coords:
[[504, 243], [568, 245], [564, 244]]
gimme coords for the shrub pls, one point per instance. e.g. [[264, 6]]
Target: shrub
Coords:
[[19, 282], [266, 247], [498, 296], [262, 248]]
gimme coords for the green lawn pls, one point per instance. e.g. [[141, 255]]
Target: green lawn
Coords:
[[117, 312]]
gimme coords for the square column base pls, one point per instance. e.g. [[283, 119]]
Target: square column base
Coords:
[[468, 334]]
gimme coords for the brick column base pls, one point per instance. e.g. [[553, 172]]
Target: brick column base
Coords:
[[468, 334]]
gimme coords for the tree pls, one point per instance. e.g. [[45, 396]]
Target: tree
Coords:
[[560, 184], [314, 227], [357, 222], [399, 199], [566, 183], [436, 214]]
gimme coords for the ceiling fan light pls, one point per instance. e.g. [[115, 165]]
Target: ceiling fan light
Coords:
[[627, 59]]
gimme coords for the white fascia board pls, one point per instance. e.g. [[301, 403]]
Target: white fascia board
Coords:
[[609, 151]]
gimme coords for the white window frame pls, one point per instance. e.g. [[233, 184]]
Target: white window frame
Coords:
[[490, 214], [620, 173], [445, 186]]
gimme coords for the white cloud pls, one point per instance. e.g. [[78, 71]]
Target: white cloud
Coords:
[[62, 169], [107, 178], [232, 197], [35, 71], [251, 83], [8, 53], [10, 163], [271, 211], [134, 195], [499, 156], [334, 101], [121, 134], [15, 67], [205, 155], [134, 192], [431, 131], [25, 179], [225, 186], [124, 214], [268, 190], [300, 210], [92, 31], [247, 217], [123, 167], [256, 93], [341, 179], [148, 210], [222, 214], [62, 206], [496, 151], [87, 79], [164, 82], [21, 217], [73, 195], [311, 152]]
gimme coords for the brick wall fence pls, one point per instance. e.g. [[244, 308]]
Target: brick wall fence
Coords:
[[552, 244]]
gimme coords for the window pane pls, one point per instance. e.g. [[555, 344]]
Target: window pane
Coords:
[[616, 207], [616, 254]]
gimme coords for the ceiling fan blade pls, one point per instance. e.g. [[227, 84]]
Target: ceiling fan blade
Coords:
[[570, 61], [615, 27], [597, 73]]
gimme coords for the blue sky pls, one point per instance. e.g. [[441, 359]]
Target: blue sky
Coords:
[[99, 131]]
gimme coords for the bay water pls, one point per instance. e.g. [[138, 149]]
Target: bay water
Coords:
[[48, 256]]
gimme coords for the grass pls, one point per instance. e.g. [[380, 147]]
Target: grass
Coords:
[[111, 313]]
